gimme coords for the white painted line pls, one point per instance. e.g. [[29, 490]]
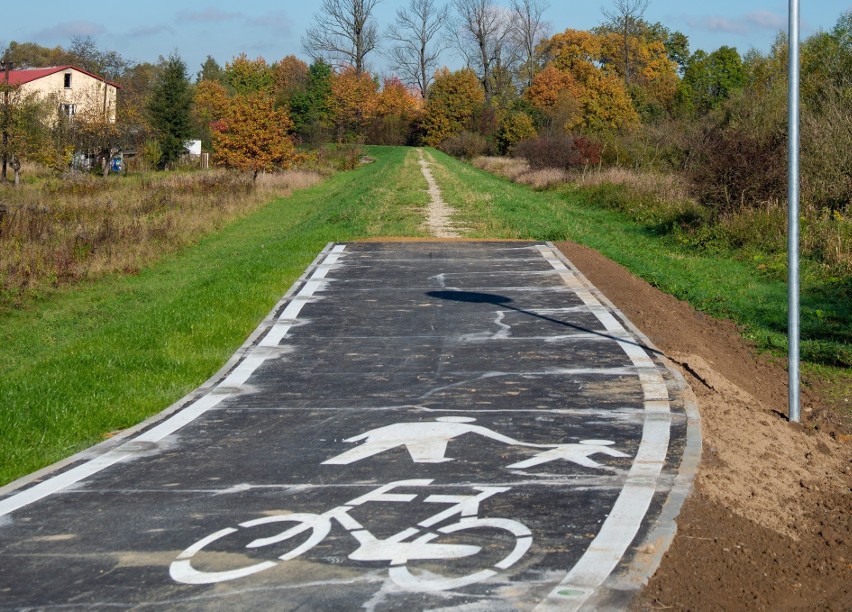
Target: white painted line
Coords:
[[623, 522], [291, 312], [236, 378]]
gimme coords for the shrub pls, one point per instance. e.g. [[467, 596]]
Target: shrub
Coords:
[[739, 158], [564, 152], [465, 144], [515, 127], [827, 151]]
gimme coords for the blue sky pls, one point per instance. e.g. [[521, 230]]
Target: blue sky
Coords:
[[144, 30]]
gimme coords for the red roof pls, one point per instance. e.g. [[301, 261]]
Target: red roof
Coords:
[[19, 77]]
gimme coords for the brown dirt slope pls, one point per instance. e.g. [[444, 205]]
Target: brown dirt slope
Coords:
[[768, 525]]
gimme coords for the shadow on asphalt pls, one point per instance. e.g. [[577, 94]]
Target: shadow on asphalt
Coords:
[[475, 297]]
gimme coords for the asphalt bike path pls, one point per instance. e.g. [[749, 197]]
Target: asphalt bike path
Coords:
[[423, 425]]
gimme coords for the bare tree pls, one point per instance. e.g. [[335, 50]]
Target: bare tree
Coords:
[[483, 31], [626, 17], [528, 29], [343, 33], [416, 32]]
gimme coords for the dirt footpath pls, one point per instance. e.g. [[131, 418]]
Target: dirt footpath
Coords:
[[768, 525]]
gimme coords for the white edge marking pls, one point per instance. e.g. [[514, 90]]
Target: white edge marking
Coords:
[[624, 520], [233, 374]]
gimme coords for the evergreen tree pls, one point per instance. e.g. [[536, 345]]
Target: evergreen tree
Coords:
[[210, 71], [169, 109], [309, 109]]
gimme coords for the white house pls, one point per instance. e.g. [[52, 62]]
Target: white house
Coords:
[[76, 90]]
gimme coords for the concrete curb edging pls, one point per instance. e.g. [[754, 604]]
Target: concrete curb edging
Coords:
[[657, 541], [238, 356]]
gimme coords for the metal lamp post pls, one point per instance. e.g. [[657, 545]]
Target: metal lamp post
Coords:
[[793, 212]]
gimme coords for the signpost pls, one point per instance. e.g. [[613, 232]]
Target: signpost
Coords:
[[793, 212]]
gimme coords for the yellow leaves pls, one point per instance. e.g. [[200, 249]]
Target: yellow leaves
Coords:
[[247, 76], [574, 51], [210, 101], [454, 99], [578, 72], [354, 100]]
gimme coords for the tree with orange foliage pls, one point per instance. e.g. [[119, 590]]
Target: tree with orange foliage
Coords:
[[253, 136], [353, 103], [602, 98], [454, 99], [397, 109], [210, 100], [290, 75], [397, 99], [210, 103], [653, 76], [549, 84], [557, 94]]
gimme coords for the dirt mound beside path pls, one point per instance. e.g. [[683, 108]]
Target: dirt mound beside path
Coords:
[[768, 525]]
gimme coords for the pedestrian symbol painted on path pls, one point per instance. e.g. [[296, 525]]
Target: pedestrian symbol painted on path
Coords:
[[426, 442], [575, 453]]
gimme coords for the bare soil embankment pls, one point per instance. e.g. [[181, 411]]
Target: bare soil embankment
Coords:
[[768, 525]]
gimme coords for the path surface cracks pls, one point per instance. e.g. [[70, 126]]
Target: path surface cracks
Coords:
[[429, 425]]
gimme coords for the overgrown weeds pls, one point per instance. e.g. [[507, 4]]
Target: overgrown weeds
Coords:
[[663, 202], [79, 227], [518, 170]]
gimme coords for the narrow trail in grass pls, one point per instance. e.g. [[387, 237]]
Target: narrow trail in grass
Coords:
[[438, 219]]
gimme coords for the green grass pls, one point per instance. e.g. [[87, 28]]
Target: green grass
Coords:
[[719, 284], [83, 361]]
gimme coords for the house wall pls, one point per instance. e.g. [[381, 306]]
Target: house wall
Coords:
[[86, 92]]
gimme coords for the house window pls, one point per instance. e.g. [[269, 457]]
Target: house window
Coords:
[[67, 80], [68, 110]]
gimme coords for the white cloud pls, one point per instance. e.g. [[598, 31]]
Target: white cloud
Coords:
[[717, 23], [148, 31], [766, 20], [276, 20], [208, 15], [70, 29], [741, 24]]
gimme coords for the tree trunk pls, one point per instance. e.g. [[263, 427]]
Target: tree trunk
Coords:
[[16, 167]]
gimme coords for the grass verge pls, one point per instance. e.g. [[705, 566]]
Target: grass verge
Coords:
[[79, 362]]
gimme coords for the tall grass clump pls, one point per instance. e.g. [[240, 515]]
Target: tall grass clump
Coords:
[[518, 170]]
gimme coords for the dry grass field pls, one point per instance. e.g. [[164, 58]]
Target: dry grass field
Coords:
[[55, 231]]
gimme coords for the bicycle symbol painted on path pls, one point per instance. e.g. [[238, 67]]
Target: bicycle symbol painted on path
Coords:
[[413, 543], [433, 539]]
